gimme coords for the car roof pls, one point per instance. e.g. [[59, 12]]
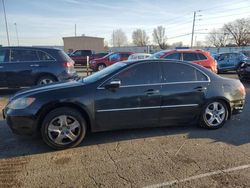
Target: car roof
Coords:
[[28, 48]]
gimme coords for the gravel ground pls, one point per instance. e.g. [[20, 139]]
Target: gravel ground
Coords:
[[156, 157]]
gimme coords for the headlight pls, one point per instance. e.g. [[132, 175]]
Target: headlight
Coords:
[[21, 103]]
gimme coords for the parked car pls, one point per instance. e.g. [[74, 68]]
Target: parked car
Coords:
[[27, 66], [80, 56], [100, 55], [138, 56], [111, 58], [244, 72], [200, 57], [128, 94], [230, 61]]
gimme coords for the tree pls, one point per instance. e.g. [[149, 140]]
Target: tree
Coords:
[[160, 37], [119, 38], [217, 38], [239, 31], [140, 37]]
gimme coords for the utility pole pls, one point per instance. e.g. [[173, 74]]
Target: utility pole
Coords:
[[17, 34], [192, 37], [6, 24], [75, 30], [194, 20]]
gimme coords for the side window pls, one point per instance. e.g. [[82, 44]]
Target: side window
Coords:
[[23, 55], [44, 56], [189, 56], [175, 72], [146, 73], [115, 57], [77, 53], [174, 56], [2, 56], [201, 56], [125, 55], [86, 53]]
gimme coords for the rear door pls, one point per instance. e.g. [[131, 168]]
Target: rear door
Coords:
[[3, 63], [20, 69], [183, 93]]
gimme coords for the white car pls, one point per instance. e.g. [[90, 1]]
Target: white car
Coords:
[[138, 56]]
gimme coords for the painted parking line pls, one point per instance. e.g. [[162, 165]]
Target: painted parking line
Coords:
[[169, 183]]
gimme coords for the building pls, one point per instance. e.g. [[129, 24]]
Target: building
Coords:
[[83, 43]]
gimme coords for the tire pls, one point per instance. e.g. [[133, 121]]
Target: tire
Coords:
[[100, 66], [45, 80], [63, 128], [213, 117]]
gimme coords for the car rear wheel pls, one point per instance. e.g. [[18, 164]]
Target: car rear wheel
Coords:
[[214, 114], [63, 128], [100, 66], [45, 80]]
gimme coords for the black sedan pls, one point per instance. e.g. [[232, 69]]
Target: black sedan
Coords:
[[129, 94]]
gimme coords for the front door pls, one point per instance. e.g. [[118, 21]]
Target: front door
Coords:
[[183, 93], [136, 103]]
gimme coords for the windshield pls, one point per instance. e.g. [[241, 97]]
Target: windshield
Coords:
[[157, 55], [101, 74]]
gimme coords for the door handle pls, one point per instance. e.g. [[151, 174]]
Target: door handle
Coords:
[[35, 65], [200, 88], [151, 92]]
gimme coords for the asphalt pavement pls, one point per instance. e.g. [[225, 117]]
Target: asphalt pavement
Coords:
[[154, 157]]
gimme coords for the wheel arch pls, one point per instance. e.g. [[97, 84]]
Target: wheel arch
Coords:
[[40, 75], [52, 106], [226, 101]]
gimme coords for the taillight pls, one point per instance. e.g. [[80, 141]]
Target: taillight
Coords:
[[69, 64], [242, 89]]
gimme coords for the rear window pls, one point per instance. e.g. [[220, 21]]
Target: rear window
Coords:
[[201, 56], [176, 72], [86, 53], [44, 56], [190, 56], [64, 56]]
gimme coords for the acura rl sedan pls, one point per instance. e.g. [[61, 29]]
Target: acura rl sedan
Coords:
[[128, 94]]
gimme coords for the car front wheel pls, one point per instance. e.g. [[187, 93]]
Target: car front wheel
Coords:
[[63, 128], [214, 114]]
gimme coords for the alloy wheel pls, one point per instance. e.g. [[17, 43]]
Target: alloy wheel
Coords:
[[215, 114], [45, 81], [64, 130]]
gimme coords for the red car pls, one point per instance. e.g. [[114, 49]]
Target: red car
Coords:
[[80, 56], [111, 58], [200, 57]]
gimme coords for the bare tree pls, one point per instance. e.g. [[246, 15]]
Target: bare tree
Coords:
[[119, 38], [239, 31], [217, 38], [160, 37], [140, 37]]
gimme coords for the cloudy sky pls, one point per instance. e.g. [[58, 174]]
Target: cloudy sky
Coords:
[[45, 22]]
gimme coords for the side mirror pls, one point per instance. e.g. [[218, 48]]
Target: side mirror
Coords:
[[114, 84]]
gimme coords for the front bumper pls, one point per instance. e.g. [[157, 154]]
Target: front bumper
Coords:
[[20, 122], [237, 106]]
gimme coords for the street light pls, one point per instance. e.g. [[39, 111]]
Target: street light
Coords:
[[6, 24], [16, 34]]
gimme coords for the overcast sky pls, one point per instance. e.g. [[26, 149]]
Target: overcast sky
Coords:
[[45, 22]]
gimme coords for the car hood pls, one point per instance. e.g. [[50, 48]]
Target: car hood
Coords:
[[49, 87]]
